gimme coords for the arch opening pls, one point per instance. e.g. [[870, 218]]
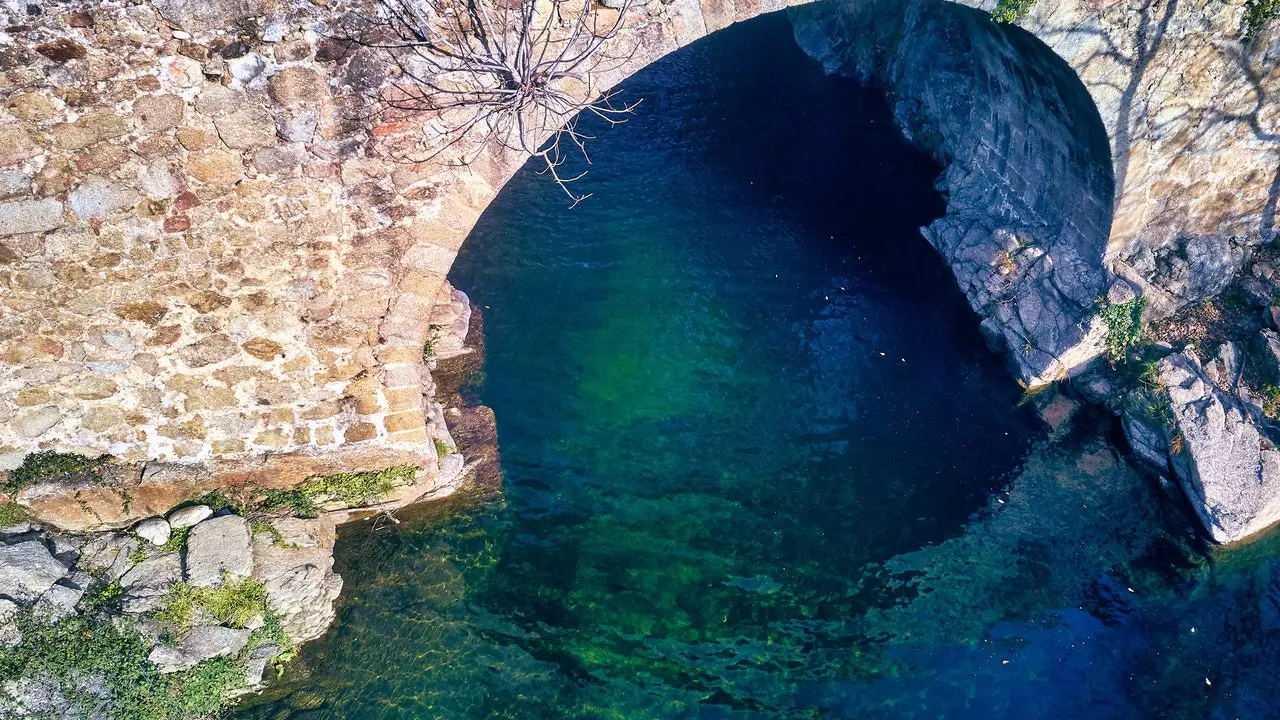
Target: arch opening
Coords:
[[711, 381]]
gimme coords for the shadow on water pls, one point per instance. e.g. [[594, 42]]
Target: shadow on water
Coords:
[[759, 464]]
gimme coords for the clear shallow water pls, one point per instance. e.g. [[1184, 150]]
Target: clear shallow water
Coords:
[[760, 465]]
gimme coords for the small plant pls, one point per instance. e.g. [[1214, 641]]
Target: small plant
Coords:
[[103, 595], [1011, 11], [1257, 13], [137, 557], [442, 448], [177, 540], [49, 465], [1125, 328], [1270, 401], [234, 603], [297, 500], [11, 514], [359, 487]]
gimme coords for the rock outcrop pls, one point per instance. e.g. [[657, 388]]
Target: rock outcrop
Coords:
[[1228, 468], [47, 577]]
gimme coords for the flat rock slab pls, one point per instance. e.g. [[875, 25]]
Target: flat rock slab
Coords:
[[27, 570], [1228, 470], [218, 548], [146, 584], [197, 645]]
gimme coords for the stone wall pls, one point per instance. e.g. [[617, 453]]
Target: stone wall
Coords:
[[211, 251]]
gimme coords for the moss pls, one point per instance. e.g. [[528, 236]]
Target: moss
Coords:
[[358, 488], [1011, 11], [1125, 328], [48, 466], [11, 514], [298, 501], [234, 603], [1270, 401]]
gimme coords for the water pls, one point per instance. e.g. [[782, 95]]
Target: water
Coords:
[[759, 463]]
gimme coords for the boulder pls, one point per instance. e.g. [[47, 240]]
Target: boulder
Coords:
[[146, 584], [154, 530], [257, 663], [188, 516], [57, 602], [1271, 341], [1228, 469], [299, 579], [197, 645], [219, 547], [107, 554], [27, 570]]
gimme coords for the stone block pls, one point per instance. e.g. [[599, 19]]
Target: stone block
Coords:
[[16, 145], [157, 113], [218, 548], [30, 216]]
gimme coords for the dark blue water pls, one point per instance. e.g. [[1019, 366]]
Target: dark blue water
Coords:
[[759, 464]]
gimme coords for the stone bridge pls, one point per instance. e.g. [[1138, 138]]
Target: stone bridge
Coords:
[[210, 255]]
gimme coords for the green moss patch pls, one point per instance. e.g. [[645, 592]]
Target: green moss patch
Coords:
[[12, 514], [48, 466]]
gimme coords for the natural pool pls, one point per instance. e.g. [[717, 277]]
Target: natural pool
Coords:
[[759, 464]]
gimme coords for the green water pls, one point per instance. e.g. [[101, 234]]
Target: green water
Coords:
[[759, 464]]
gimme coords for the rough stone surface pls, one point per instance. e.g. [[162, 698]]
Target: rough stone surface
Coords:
[[298, 575], [198, 644], [188, 516], [146, 584], [154, 530], [30, 216], [108, 554], [1228, 469], [218, 548], [28, 569]]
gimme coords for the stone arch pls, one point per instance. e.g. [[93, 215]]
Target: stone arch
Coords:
[[208, 256]]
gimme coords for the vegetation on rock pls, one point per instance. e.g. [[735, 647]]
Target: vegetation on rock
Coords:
[[1125, 328], [11, 514], [1257, 13], [97, 664], [235, 603], [1011, 11], [48, 465]]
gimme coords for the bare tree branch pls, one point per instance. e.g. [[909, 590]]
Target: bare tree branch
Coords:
[[501, 74]]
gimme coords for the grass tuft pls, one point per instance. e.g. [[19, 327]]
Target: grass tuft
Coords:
[[11, 514], [234, 603]]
